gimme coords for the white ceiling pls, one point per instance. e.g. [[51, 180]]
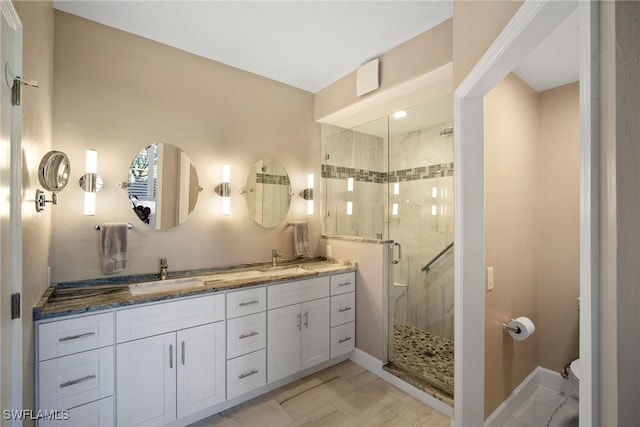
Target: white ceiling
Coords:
[[305, 44]]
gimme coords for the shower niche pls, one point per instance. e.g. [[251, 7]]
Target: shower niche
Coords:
[[391, 179]]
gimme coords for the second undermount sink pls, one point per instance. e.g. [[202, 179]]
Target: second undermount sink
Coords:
[[165, 285], [284, 269]]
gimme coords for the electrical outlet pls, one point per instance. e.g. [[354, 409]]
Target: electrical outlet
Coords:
[[490, 282]]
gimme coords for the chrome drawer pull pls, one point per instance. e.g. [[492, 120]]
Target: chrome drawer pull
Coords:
[[183, 352], [249, 335], [342, 310], [248, 374], [170, 356], [242, 304], [344, 340], [76, 337], [344, 284], [78, 381]]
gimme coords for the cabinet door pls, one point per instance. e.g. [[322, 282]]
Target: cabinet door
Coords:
[[201, 367], [283, 342], [315, 332], [146, 381]]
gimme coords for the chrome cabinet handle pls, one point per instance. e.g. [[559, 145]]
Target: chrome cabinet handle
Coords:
[[78, 381], [248, 374], [183, 352], [342, 310], [306, 320], [396, 261], [242, 304], [347, 283], [76, 337], [170, 356], [249, 335], [299, 320], [344, 340]]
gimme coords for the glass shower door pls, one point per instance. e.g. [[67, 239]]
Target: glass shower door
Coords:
[[420, 218]]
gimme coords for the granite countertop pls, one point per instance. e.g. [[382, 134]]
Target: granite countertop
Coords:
[[92, 295]]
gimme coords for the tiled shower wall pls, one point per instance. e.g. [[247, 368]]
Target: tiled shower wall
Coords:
[[421, 162]]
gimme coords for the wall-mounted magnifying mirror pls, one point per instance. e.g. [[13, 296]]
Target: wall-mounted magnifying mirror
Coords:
[[268, 192], [162, 186], [54, 171]]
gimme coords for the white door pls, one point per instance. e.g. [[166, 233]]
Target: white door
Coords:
[[283, 342], [201, 367], [10, 209], [146, 381], [316, 316]]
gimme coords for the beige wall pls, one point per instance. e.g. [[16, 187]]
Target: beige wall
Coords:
[[558, 227], [411, 59], [38, 21], [476, 25], [118, 93], [511, 171]]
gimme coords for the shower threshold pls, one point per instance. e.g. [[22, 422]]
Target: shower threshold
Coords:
[[423, 360]]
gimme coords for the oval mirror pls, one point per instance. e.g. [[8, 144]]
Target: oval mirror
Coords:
[[54, 171], [163, 186], [268, 192]]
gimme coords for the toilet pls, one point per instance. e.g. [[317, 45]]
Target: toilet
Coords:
[[574, 376]]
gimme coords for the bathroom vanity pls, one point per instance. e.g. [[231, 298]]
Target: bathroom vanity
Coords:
[[158, 352]]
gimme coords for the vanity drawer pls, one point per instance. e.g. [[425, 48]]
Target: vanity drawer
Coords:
[[343, 339], [156, 319], [246, 373], [100, 413], [246, 334], [247, 301], [297, 292], [69, 381], [343, 283], [63, 337], [343, 308]]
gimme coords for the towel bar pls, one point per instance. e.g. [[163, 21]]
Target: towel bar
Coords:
[[129, 226]]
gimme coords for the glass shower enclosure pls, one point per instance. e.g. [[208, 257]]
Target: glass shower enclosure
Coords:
[[392, 179]]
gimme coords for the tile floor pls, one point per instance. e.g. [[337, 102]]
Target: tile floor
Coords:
[[546, 407], [342, 395]]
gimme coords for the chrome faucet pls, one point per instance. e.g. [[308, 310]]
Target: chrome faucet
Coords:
[[274, 257], [164, 266]]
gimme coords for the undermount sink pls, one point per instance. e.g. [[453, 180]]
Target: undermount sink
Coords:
[[284, 269], [165, 285]]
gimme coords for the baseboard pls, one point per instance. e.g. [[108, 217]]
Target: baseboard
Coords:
[[374, 366], [539, 376]]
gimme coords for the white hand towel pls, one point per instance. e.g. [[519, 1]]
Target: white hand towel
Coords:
[[301, 245], [113, 247]]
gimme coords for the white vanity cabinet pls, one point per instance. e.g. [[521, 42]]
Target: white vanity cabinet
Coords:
[[298, 319], [170, 360], [76, 370]]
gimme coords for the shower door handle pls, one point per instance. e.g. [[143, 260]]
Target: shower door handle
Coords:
[[396, 261]]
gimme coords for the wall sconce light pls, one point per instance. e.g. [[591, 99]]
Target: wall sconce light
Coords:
[[90, 182], [224, 189], [349, 208], [349, 184], [307, 194]]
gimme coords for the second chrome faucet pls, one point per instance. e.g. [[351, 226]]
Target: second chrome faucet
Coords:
[[164, 267], [274, 257]]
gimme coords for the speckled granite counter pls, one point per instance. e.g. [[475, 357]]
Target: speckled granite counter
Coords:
[[93, 295]]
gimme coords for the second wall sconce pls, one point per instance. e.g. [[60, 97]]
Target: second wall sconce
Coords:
[[224, 189], [307, 194], [90, 182]]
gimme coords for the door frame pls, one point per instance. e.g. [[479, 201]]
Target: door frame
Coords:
[[11, 236], [529, 26]]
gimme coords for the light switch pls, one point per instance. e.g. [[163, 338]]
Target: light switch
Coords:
[[490, 282]]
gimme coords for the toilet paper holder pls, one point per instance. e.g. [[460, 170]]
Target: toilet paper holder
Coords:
[[515, 329]]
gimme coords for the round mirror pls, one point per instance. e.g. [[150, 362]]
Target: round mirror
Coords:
[[163, 186], [54, 171], [268, 192]]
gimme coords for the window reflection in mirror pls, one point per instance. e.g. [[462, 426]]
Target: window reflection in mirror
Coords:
[[163, 186]]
